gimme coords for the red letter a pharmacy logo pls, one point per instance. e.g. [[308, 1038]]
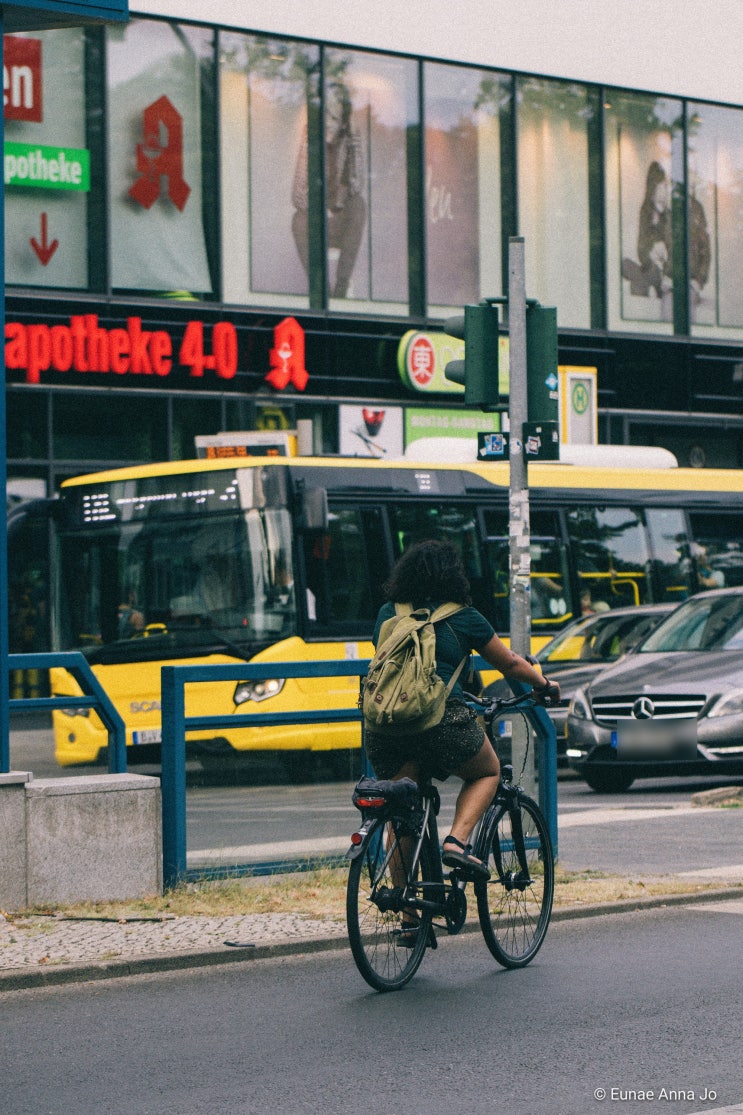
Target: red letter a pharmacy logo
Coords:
[[157, 159]]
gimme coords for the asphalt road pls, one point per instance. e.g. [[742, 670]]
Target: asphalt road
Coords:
[[615, 1007]]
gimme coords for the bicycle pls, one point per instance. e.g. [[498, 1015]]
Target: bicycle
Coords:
[[398, 893]]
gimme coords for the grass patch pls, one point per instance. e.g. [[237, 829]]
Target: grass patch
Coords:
[[322, 894]]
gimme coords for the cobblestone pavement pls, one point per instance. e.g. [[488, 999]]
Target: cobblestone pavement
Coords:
[[43, 949]]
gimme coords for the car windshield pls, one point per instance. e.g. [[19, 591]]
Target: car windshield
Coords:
[[706, 622], [602, 638]]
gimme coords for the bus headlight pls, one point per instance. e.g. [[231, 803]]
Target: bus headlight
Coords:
[[579, 706], [257, 690]]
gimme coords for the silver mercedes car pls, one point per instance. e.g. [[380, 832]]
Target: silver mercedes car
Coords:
[[583, 649], [673, 707]]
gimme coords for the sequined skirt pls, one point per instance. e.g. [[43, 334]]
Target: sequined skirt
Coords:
[[441, 750]]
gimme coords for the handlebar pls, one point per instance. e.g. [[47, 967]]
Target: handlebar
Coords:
[[491, 706]]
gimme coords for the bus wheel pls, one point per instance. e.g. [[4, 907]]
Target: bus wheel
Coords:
[[608, 781]]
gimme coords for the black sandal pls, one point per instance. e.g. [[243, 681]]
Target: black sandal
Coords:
[[464, 859]]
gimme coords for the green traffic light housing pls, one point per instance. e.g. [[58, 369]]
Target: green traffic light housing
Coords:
[[541, 363], [478, 372]]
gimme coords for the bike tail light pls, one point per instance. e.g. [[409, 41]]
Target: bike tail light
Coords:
[[369, 803], [356, 838]]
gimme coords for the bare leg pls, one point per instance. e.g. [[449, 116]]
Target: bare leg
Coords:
[[480, 777]]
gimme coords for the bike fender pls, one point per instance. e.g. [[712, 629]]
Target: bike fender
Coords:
[[355, 850]]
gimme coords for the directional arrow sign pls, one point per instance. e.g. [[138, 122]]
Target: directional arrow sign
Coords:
[[44, 250]]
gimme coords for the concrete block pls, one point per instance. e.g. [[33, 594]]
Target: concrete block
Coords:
[[95, 837], [13, 839]]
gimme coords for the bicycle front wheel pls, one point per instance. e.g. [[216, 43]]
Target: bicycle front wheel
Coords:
[[514, 907], [378, 906]]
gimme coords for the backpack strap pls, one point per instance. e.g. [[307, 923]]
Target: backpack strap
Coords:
[[444, 611], [453, 679]]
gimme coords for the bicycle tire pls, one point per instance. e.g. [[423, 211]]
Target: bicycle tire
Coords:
[[374, 933], [515, 914]]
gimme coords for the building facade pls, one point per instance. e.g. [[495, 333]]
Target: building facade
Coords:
[[223, 217]]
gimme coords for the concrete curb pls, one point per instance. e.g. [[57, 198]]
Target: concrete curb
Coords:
[[25, 978]]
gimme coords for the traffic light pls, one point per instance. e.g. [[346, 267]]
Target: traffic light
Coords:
[[541, 363], [478, 328]]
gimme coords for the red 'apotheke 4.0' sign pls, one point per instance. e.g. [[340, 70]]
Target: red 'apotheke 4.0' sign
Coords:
[[86, 346]]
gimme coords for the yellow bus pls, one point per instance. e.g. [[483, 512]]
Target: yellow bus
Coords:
[[283, 559]]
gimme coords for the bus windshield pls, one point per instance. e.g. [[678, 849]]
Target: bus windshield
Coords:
[[150, 575]]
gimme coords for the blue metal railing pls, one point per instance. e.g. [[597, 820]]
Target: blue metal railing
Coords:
[[94, 697], [175, 725]]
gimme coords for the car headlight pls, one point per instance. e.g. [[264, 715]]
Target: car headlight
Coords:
[[729, 705], [257, 690], [578, 707]]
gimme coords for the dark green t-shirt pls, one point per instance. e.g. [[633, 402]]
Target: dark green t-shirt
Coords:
[[456, 636]]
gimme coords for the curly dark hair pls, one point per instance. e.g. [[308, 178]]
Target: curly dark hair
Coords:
[[428, 571]]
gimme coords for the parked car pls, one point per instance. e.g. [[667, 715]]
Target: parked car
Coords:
[[672, 707], [584, 648]]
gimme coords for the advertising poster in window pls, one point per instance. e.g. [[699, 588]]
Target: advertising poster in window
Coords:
[[366, 117], [452, 213], [47, 162], [647, 132], [155, 157], [370, 431]]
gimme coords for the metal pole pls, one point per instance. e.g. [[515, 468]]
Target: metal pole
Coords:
[[520, 554], [173, 776], [4, 603]]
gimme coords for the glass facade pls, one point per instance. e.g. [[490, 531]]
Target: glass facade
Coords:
[[174, 171], [715, 218], [553, 195], [462, 112], [163, 158]]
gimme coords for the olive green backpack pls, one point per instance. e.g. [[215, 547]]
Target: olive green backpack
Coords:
[[402, 694]]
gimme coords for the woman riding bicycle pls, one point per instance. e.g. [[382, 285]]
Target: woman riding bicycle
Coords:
[[428, 575]]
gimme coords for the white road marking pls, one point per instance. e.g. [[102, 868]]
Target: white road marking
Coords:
[[611, 815]]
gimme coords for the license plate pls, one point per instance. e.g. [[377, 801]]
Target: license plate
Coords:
[[655, 739], [149, 735]]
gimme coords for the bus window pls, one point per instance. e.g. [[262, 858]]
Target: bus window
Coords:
[[670, 545], [610, 553], [338, 567], [551, 597], [414, 522], [717, 549]]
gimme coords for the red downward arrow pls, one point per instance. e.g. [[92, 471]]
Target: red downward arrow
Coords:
[[44, 250]]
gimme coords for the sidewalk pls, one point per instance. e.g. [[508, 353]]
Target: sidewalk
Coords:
[[44, 950]]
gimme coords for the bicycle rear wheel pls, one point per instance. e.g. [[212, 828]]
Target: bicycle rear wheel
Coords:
[[385, 956], [515, 907]]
